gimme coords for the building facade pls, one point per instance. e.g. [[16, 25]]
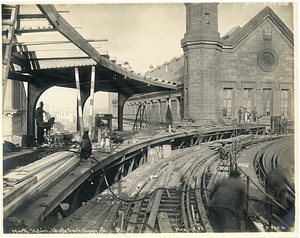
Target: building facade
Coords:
[[14, 120], [250, 67]]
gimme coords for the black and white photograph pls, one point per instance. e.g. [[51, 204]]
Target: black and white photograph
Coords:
[[151, 118]]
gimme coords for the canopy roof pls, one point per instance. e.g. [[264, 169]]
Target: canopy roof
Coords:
[[40, 58]]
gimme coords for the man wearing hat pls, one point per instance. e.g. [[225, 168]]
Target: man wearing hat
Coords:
[[39, 121]]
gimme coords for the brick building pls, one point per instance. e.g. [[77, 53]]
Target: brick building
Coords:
[[252, 66]]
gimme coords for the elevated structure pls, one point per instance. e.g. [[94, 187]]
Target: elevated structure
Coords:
[[44, 73]]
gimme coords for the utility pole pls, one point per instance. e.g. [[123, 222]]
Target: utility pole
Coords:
[[234, 127]]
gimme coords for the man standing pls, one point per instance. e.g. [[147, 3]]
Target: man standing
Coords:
[[226, 204], [240, 112], [39, 120], [254, 114]]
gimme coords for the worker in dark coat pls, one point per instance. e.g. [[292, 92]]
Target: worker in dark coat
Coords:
[[85, 147], [254, 114], [275, 185], [240, 113], [223, 152], [169, 117], [38, 114], [226, 204]]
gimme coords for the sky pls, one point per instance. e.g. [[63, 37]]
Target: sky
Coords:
[[147, 34]]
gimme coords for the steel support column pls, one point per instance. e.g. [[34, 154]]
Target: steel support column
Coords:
[[84, 94], [121, 102], [34, 92]]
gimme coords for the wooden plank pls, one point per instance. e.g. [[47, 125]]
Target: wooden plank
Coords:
[[27, 171], [40, 175], [111, 216], [95, 222], [47, 181], [18, 190], [164, 223], [35, 213], [63, 224], [91, 219], [156, 203]]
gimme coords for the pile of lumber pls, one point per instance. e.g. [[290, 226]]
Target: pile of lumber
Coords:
[[27, 183]]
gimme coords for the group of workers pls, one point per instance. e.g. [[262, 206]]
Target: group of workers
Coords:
[[247, 115]]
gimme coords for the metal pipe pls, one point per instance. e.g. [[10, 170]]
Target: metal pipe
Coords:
[[247, 199]]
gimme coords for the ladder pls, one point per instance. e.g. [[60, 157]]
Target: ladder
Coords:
[[141, 112], [9, 20]]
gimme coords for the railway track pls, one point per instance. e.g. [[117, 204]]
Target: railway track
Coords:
[[176, 205], [170, 199], [165, 196]]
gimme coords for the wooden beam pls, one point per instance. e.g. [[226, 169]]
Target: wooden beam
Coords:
[[16, 59], [61, 211], [164, 223], [101, 181], [130, 167], [17, 190], [37, 30], [73, 206], [19, 76], [61, 58], [30, 16], [156, 202], [47, 181], [25, 172], [54, 42]]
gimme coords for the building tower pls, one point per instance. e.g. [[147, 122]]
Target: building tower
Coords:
[[202, 47]]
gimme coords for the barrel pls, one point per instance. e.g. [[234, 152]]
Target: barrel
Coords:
[[167, 151], [152, 156]]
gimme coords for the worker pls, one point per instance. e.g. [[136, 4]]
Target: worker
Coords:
[[39, 121], [85, 147], [223, 153], [283, 126], [275, 185], [226, 204], [240, 113], [254, 114]]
